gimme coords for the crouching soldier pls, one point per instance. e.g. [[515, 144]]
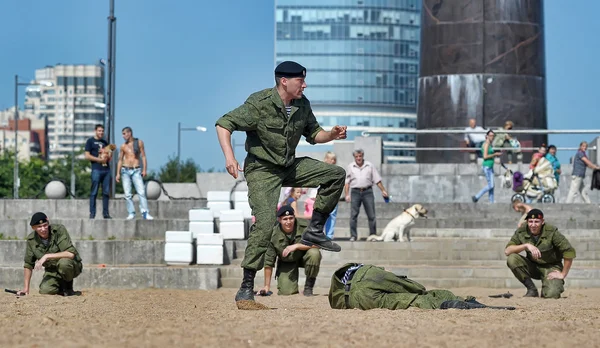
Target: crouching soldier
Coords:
[[291, 254], [545, 248], [50, 247], [369, 287]]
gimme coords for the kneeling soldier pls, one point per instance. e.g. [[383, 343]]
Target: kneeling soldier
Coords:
[[369, 287], [291, 254], [50, 247], [545, 248]]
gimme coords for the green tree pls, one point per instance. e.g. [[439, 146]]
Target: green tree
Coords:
[[168, 171]]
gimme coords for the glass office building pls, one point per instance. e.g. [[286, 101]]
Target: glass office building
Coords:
[[362, 58]]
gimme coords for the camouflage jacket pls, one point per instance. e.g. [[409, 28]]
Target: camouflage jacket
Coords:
[[280, 240], [59, 241], [551, 243], [366, 288], [270, 135]]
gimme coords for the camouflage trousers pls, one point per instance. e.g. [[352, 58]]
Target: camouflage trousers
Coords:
[[287, 272], [523, 269], [65, 270], [264, 185]]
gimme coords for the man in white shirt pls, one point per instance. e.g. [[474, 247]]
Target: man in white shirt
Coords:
[[474, 139], [361, 175]]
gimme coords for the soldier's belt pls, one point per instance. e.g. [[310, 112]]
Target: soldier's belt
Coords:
[[347, 295]]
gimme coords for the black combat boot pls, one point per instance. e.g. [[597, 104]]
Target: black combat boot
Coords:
[[246, 291], [532, 291], [244, 299], [314, 235], [470, 304], [67, 289], [458, 304], [308, 286]]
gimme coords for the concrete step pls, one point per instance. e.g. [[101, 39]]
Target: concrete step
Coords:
[[503, 233], [431, 277], [424, 271], [433, 249], [442, 263], [126, 277], [120, 229], [79, 208], [341, 233], [109, 252], [101, 229], [479, 210], [510, 221], [140, 252], [430, 283]]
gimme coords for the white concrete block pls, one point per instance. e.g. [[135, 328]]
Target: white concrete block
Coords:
[[209, 254], [201, 227], [245, 208], [232, 229], [204, 214], [240, 196], [231, 215], [179, 253], [218, 196], [217, 207], [178, 237], [209, 239]]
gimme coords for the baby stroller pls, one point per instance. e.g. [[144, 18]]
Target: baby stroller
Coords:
[[538, 184]]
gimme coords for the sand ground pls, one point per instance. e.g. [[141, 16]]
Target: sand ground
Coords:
[[179, 318]]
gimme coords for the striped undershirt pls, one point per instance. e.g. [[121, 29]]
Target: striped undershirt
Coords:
[[350, 272], [288, 109]]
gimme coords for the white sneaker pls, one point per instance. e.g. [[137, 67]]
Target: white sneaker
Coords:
[[130, 216], [147, 216]]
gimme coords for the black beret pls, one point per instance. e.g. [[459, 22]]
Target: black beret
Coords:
[[38, 218], [285, 210], [535, 214], [290, 69]]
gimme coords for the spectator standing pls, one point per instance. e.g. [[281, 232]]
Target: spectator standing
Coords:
[[488, 167], [473, 139], [361, 175], [132, 152], [551, 157], [580, 163], [100, 171], [331, 158]]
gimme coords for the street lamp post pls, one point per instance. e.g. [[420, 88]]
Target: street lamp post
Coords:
[[179, 129], [16, 180]]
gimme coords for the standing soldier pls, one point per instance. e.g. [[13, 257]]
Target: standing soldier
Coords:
[[285, 245], [49, 247], [274, 119], [545, 248]]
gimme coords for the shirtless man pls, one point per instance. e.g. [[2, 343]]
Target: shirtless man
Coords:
[[129, 168]]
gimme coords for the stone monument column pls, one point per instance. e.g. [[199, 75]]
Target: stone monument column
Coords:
[[481, 59]]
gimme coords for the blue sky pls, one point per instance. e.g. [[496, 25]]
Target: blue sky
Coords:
[[191, 61]]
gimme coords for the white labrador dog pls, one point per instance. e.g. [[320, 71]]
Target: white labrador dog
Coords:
[[400, 225]]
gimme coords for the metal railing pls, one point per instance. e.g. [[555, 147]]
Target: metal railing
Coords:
[[385, 130], [473, 149]]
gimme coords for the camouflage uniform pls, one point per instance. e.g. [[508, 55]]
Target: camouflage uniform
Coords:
[[373, 287], [287, 267], [271, 140], [56, 270], [553, 246]]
